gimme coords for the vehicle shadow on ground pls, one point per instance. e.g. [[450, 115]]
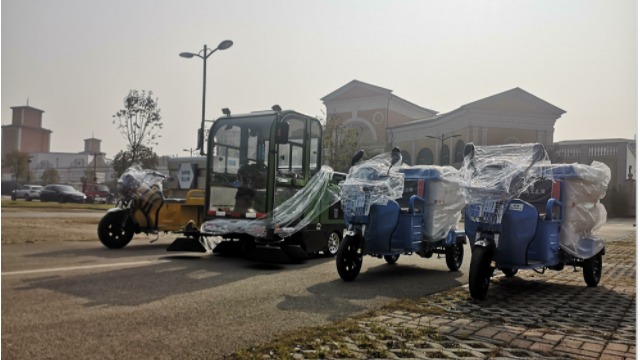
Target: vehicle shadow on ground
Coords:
[[162, 278], [337, 299]]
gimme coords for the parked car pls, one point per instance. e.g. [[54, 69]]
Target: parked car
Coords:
[[98, 193], [61, 193], [27, 192]]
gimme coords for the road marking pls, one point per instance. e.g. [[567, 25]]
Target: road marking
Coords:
[[71, 268]]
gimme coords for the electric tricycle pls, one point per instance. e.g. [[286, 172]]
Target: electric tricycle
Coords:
[[267, 195], [143, 208], [525, 213], [392, 210]]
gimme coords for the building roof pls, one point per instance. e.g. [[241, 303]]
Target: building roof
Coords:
[[514, 100], [26, 107], [358, 89]]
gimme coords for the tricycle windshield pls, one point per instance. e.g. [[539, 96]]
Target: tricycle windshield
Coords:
[[239, 165]]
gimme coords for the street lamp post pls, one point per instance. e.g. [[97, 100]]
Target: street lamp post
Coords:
[[442, 138], [190, 151], [204, 55]]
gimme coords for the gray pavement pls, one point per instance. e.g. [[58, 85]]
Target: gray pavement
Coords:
[[543, 316]]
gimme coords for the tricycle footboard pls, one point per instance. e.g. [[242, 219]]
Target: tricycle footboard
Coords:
[[545, 245], [408, 234]]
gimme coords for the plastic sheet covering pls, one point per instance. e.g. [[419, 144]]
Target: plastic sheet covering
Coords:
[[136, 182], [490, 176], [288, 218], [374, 181], [442, 194], [584, 187]]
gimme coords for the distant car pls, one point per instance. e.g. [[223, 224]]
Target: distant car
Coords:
[[61, 193], [27, 192], [98, 193]]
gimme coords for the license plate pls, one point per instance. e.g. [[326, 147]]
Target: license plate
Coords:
[[359, 201], [488, 207]]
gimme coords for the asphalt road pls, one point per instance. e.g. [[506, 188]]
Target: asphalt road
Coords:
[[65, 300]]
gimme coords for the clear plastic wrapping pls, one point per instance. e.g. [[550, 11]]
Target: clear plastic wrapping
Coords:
[[490, 176], [374, 181], [493, 175], [136, 182], [288, 218], [439, 187], [583, 188]]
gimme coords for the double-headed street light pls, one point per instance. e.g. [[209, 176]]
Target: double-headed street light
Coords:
[[442, 138], [204, 55]]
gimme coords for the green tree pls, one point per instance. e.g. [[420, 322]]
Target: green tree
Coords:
[[339, 143], [139, 122], [50, 176], [123, 160]]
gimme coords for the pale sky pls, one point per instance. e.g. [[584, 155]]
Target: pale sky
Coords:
[[78, 59]]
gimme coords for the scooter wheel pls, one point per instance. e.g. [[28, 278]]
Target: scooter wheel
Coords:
[[592, 270], [349, 258]]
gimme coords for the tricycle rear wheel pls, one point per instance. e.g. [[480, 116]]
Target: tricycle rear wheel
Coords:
[[592, 270], [349, 258], [509, 272], [454, 256], [113, 231], [391, 259], [480, 272]]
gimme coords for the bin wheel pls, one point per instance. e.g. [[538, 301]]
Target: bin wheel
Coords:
[[349, 258], [333, 242], [454, 256], [509, 272], [113, 232], [592, 270], [391, 259], [480, 272]]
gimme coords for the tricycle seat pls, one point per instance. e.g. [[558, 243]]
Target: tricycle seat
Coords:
[[175, 200]]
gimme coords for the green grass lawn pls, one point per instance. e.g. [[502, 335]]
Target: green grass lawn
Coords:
[[52, 205]]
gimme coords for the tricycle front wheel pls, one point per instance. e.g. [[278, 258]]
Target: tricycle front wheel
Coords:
[[480, 272], [454, 256], [113, 231], [349, 258], [592, 270]]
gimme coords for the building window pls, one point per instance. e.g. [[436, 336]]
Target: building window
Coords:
[[378, 118], [458, 156], [406, 158], [446, 155], [425, 157]]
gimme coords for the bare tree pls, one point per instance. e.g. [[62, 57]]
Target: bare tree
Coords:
[[18, 161], [50, 176], [339, 143], [139, 122]]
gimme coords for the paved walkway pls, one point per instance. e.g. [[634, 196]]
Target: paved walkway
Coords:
[[549, 316]]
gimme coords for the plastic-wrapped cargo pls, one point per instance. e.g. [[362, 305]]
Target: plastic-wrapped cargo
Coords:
[[583, 186], [377, 178], [491, 176], [439, 187], [291, 216]]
